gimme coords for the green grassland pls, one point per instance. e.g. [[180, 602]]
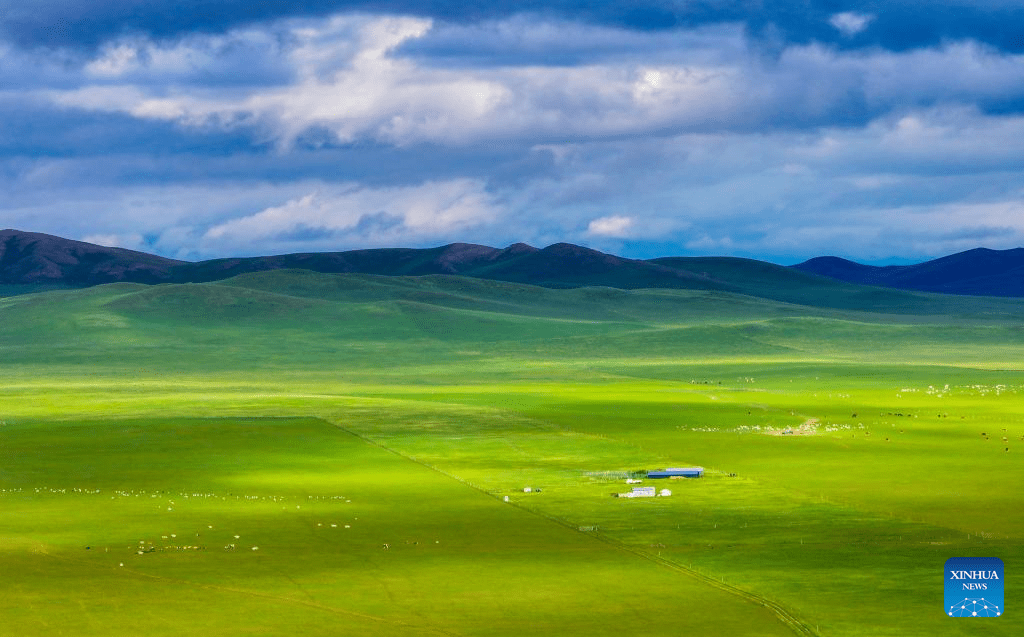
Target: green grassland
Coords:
[[360, 435]]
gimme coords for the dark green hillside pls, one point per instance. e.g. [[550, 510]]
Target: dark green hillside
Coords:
[[212, 303], [350, 306], [52, 318], [17, 289], [446, 291], [319, 319], [280, 317], [485, 295], [757, 292]]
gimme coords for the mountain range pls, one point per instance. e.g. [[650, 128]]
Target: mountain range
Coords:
[[36, 259], [979, 272]]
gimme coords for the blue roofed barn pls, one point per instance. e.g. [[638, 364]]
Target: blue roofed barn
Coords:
[[678, 472]]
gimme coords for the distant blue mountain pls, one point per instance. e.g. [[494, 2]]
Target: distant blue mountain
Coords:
[[978, 272]]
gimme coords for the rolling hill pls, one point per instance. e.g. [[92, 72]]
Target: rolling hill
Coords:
[[34, 258], [32, 262]]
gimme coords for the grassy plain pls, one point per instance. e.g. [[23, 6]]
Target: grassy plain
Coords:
[[276, 405]]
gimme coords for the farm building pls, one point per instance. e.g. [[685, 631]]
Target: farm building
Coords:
[[639, 492], [678, 472]]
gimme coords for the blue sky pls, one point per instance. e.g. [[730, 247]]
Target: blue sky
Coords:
[[878, 131]]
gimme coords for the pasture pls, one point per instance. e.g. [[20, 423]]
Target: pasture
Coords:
[[359, 436]]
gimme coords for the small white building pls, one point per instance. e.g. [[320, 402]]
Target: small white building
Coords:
[[527, 490], [639, 492], [664, 493], [633, 480]]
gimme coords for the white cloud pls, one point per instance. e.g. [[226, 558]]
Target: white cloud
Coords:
[[850, 23], [613, 226], [115, 60], [370, 216], [950, 140], [347, 76], [229, 58], [942, 179], [132, 241], [687, 137]]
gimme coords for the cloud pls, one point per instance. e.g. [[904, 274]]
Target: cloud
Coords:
[[244, 57], [132, 241], [850, 23], [784, 196], [115, 61], [345, 80], [326, 131], [614, 226], [384, 216]]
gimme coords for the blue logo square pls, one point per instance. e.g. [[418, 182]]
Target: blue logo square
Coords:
[[974, 587]]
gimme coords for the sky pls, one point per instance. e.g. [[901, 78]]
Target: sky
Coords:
[[884, 132]]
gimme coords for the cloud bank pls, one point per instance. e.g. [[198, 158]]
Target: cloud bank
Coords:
[[643, 129]]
